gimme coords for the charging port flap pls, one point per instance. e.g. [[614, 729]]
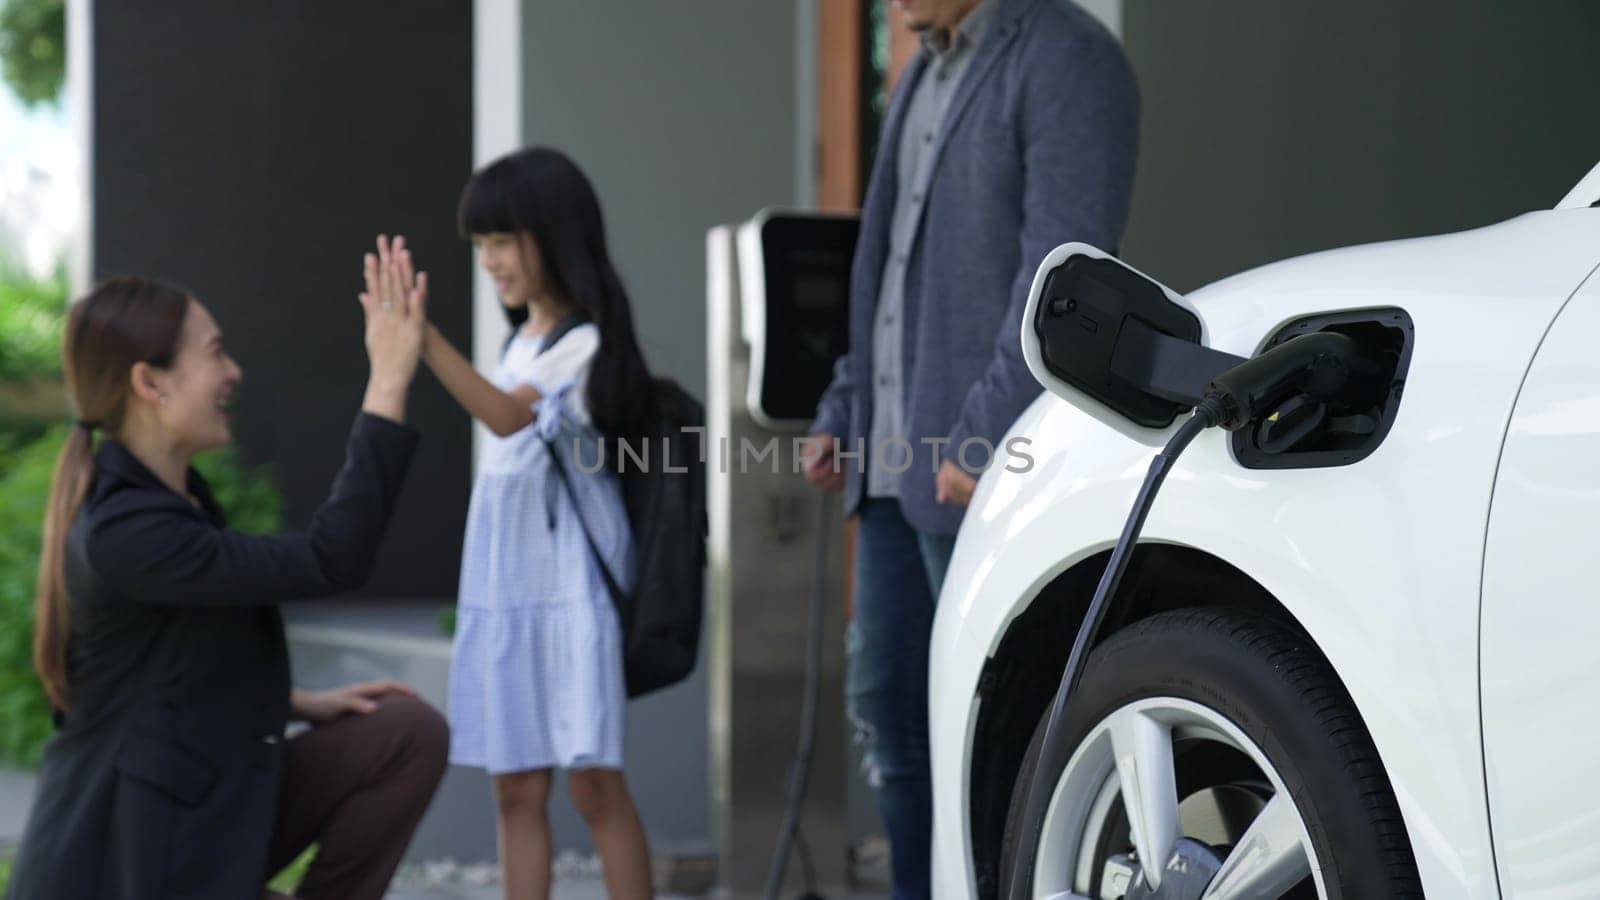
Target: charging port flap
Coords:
[[1115, 342]]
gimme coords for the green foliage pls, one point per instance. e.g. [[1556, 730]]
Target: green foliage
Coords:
[[287, 881], [33, 48], [25, 473], [32, 315], [248, 495]]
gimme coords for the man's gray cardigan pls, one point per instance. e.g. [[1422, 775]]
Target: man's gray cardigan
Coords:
[[1036, 149]]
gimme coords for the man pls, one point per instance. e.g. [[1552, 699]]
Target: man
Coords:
[[1012, 131]]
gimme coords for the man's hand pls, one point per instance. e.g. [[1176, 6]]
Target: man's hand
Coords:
[[818, 456], [325, 706], [954, 484]]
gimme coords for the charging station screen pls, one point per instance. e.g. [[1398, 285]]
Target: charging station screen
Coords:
[[807, 261]]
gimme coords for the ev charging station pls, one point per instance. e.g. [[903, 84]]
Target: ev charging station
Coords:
[[777, 320]]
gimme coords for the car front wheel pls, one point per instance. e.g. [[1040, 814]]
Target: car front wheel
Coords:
[[1217, 757]]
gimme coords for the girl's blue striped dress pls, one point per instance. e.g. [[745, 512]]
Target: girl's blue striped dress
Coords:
[[536, 677]]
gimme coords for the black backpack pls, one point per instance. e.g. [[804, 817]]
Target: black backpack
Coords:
[[666, 504]]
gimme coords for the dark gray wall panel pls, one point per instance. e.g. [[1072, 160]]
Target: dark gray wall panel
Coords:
[[1273, 129], [250, 151]]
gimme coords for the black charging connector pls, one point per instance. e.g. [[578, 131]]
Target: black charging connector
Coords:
[[1335, 428], [1313, 365], [1316, 365]]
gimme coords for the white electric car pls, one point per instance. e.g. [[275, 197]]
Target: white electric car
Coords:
[[1357, 651]]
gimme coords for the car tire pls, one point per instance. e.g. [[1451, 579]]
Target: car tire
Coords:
[[1274, 686]]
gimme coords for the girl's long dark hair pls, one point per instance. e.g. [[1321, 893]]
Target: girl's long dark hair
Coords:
[[542, 192]]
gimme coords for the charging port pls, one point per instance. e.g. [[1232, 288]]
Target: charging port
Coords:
[[1303, 433]]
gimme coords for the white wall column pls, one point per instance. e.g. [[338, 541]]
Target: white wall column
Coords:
[[497, 75], [80, 106], [1107, 11]]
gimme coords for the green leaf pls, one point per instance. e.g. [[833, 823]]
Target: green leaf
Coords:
[[289, 879], [33, 313], [33, 48]]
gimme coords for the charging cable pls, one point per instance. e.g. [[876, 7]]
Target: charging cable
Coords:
[[1315, 365], [800, 770]]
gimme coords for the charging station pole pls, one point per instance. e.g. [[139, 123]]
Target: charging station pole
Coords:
[[759, 579]]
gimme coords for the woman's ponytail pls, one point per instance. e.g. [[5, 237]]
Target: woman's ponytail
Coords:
[[52, 613]]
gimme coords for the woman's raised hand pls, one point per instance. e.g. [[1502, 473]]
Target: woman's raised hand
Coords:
[[395, 304]]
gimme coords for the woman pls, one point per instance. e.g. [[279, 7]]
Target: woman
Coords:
[[160, 645]]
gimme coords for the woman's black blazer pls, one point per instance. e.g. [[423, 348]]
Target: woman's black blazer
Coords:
[[162, 778]]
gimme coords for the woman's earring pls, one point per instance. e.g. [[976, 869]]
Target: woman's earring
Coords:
[[164, 399]]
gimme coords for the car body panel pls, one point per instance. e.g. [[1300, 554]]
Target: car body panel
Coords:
[[1541, 620], [1379, 561], [1584, 193]]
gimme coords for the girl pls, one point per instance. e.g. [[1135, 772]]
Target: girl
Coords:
[[536, 679]]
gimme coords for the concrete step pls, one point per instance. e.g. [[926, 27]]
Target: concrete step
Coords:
[[16, 798], [339, 643]]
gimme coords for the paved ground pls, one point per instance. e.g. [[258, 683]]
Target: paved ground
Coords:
[[474, 883], [563, 890]]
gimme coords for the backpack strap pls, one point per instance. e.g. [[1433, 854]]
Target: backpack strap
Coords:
[[560, 470], [516, 317], [559, 330], [549, 338]]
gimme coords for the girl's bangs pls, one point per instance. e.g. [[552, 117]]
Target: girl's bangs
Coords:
[[486, 205]]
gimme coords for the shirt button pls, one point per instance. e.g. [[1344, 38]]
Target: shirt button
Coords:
[[916, 197], [927, 137], [883, 381]]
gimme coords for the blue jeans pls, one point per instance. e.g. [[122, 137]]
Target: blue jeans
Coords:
[[898, 575]]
